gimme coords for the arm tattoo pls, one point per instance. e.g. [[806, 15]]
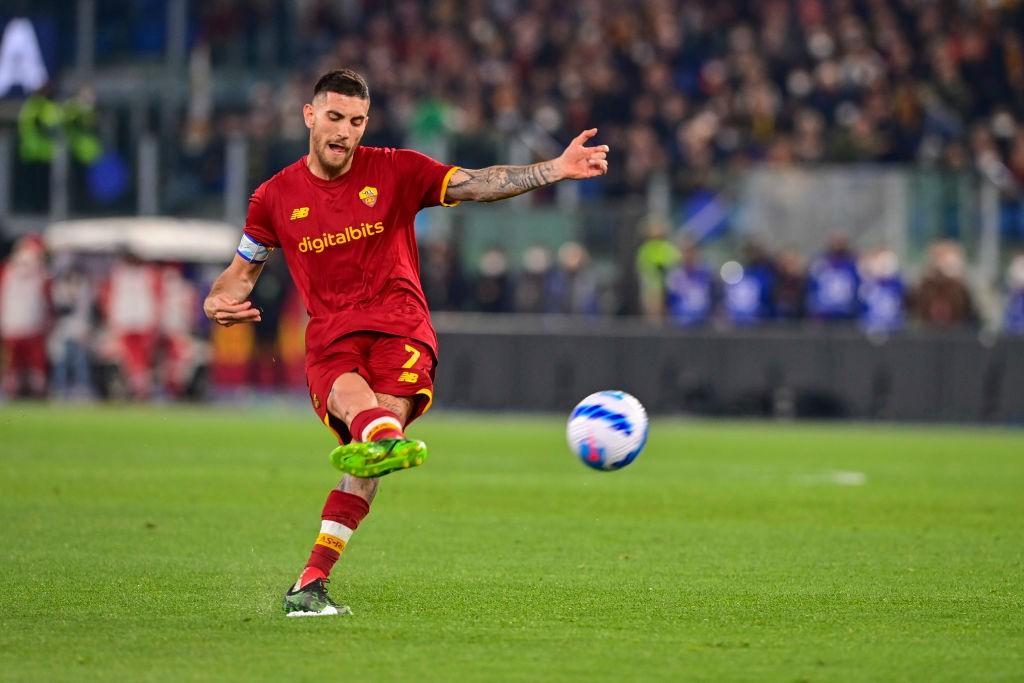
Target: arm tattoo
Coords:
[[499, 182]]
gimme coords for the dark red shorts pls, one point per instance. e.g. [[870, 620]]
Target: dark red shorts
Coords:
[[25, 353], [399, 366]]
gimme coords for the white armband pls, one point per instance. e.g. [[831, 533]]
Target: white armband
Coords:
[[252, 251]]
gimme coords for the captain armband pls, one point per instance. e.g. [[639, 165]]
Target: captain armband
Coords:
[[252, 251]]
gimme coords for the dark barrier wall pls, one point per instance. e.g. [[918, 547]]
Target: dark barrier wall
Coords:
[[541, 364]]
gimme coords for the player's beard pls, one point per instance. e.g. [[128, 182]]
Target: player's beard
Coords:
[[330, 162]]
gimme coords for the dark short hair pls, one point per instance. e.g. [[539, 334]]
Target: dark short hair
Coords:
[[343, 82]]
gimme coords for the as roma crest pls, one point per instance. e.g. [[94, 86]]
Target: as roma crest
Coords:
[[368, 195]]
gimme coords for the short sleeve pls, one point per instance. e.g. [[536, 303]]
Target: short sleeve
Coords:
[[259, 225], [426, 180]]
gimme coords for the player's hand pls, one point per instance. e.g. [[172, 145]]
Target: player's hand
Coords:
[[579, 162], [227, 312]]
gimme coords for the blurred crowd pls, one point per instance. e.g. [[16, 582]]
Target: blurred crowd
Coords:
[[869, 288], [687, 89], [676, 283], [686, 92], [82, 327], [85, 326], [544, 280]]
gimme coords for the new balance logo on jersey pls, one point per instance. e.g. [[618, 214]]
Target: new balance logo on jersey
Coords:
[[334, 239], [301, 212], [410, 377]]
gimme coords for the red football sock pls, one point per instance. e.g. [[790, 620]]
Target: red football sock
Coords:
[[376, 424], [340, 518]]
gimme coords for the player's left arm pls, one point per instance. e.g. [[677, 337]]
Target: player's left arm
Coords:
[[501, 182]]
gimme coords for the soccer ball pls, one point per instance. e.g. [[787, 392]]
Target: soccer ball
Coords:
[[607, 430]]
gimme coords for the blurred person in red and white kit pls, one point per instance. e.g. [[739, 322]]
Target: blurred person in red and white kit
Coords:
[[25, 318], [178, 314], [130, 299]]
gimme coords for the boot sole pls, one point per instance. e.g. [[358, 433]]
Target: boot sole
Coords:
[[377, 465]]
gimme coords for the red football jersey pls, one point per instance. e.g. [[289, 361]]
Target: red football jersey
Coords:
[[349, 242]]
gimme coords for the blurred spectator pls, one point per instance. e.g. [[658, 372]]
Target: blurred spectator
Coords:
[[749, 288], [179, 309], [689, 288], [574, 286], [474, 142], [655, 257], [69, 343], [39, 123], [492, 289], [266, 366], [882, 292], [78, 115], [441, 272], [1016, 160], [130, 300], [24, 319], [534, 281], [833, 282], [1014, 316], [790, 286], [942, 298]]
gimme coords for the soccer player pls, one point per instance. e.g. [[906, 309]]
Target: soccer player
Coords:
[[343, 216]]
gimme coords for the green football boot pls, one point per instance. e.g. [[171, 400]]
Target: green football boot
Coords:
[[312, 600], [377, 458]]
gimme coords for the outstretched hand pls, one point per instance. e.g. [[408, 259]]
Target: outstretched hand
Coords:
[[579, 162], [225, 311]]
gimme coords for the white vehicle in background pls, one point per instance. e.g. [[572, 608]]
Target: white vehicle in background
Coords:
[[149, 336]]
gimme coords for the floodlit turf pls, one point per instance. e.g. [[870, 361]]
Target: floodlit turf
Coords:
[[154, 545]]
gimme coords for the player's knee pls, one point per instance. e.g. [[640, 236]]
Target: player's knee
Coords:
[[350, 395]]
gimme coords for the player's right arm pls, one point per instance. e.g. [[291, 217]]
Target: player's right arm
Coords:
[[228, 301]]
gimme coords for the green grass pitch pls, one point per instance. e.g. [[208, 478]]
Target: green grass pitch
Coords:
[[154, 545]]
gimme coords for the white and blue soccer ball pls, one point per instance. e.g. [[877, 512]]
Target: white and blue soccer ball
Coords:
[[607, 430]]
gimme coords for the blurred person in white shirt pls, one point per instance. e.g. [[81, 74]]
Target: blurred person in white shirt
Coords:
[[179, 311], [24, 319], [130, 299]]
